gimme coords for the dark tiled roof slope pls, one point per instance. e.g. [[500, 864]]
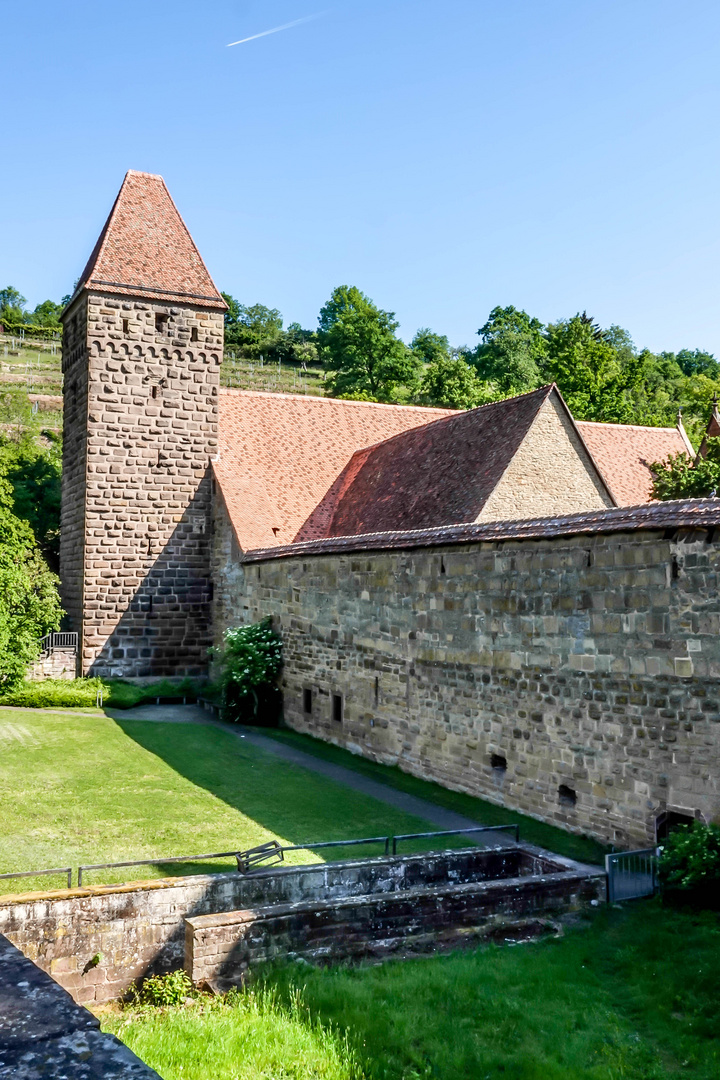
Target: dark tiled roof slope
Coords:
[[685, 513], [145, 249], [437, 474], [623, 454]]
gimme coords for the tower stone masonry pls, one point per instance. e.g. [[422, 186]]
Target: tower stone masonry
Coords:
[[143, 346]]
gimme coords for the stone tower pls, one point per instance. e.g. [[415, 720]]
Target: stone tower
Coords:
[[143, 340]]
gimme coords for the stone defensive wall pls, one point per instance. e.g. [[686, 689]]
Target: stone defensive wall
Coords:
[[568, 668], [95, 941]]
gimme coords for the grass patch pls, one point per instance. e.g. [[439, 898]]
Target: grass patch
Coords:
[[573, 846], [635, 996], [86, 788], [242, 1037]]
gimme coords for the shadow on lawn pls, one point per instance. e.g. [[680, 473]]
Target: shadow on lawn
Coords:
[[280, 798]]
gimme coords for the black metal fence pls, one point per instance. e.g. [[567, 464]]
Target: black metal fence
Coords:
[[271, 852]]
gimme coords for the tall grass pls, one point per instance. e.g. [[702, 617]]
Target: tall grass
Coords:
[[634, 995], [249, 1036]]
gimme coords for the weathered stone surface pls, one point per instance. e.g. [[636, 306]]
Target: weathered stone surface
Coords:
[[587, 662], [452, 898], [139, 927], [44, 1033], [140, 429]]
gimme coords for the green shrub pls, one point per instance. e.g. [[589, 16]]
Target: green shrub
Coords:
[[55, 693], [126, 695], [251, 659], [158, 990], [83, 693], [690, 858]]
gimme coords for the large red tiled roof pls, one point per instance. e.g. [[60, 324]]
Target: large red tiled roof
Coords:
[[145, 249], [438, 474], [280, 454], [623, 453], [660, 516]]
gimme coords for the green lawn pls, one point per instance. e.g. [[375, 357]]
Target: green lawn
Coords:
[[84, 788], [634, 996], [572, 846]]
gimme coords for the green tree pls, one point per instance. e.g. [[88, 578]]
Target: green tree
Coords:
[[362, 356], [29, 602], [46, 314], [596, 380], [252, 331], [33, 472], [696, 362], [679, 477], [449, 382], [12, 305], [512, 351], [429, 346]]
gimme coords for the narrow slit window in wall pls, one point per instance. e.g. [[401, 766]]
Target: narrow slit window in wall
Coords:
[[161, 322], [337, 708], [307, 700], [193, 333], [126, 326]]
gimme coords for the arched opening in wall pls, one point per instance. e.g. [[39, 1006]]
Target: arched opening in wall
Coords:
[[498, 763], [669, 821], [567, 795]]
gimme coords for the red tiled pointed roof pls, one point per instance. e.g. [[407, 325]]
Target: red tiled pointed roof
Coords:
[[439, 474], [145, 249], [624, 452], [280, 454]]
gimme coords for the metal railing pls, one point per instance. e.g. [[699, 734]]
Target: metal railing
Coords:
[[631, 874], [54, 641], [254, 856], [64, 870]]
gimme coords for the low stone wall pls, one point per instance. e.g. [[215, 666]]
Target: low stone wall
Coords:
[[59, 664], [139, 928], [221, 948]]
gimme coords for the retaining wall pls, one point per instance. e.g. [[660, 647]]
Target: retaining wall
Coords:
[[221, 948], [139, 928]]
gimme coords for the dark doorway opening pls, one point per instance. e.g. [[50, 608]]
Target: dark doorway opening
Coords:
[[669, 821]]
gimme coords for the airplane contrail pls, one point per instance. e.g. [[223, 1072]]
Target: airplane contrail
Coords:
[[276, 29]]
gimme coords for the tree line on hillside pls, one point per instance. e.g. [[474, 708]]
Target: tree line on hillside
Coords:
[[601, 373]]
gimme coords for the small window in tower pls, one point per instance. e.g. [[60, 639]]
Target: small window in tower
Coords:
[[498, 763], [126, 326], [337, 708], [193, 333], [161, 322], [153, 390], [307, 700]]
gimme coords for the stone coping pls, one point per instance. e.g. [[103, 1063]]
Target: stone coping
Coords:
[[251, 915], [156, 884], [675, 514]]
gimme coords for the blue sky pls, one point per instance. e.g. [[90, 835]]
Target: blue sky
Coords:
[[443, 155]]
